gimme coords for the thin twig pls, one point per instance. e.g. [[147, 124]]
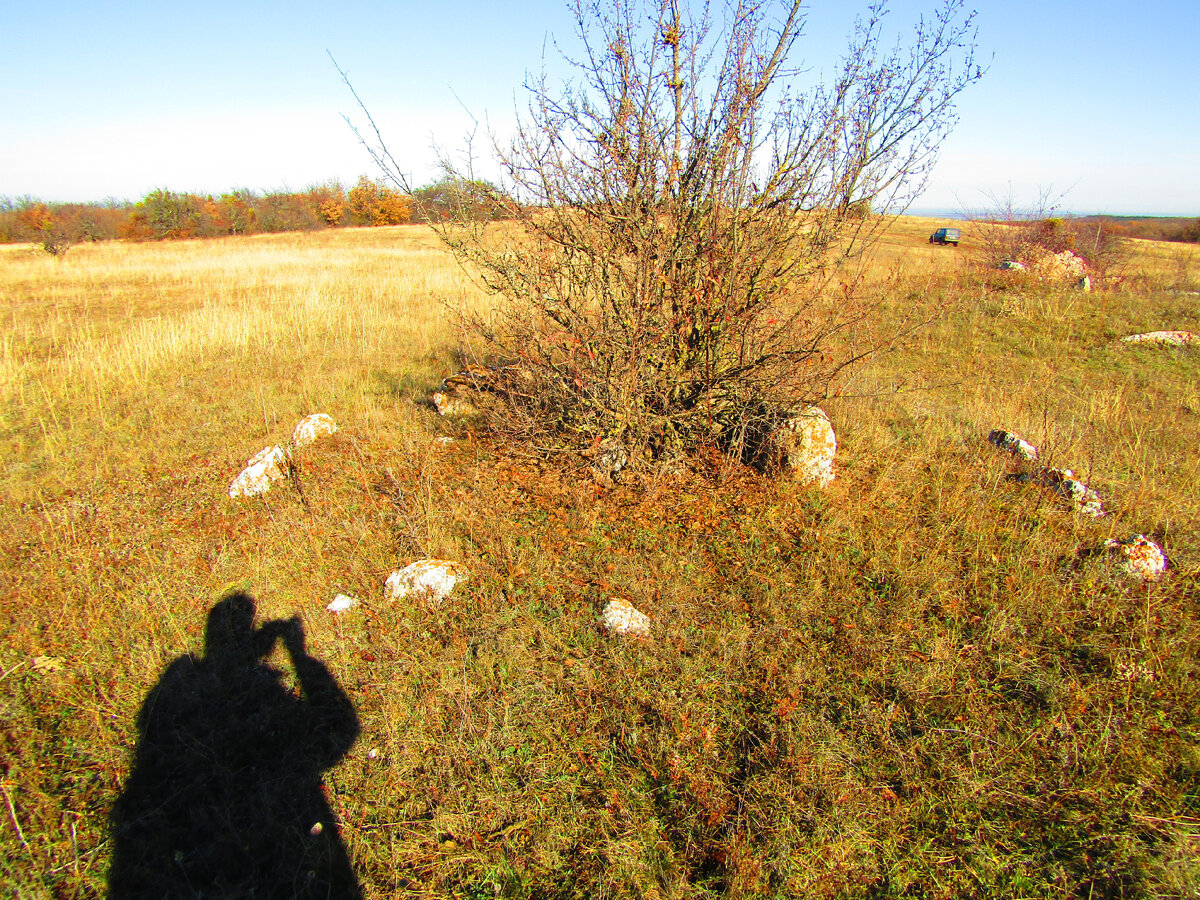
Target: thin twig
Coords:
[[294, 477], [12, 816]]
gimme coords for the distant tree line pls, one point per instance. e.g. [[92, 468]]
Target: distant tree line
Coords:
[[1158, 228], [168, 215]]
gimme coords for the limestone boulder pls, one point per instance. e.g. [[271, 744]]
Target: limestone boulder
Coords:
[[1064, 266], [269, 465], [1163, 338], [342, 602], [622, 618], [312, 428], [1013, 444], [1141, 558], [806, 444], [428, 580]]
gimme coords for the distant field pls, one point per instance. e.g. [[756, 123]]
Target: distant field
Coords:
[[928, 680]]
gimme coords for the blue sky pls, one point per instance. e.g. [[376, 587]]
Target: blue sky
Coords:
[[1093, 102]]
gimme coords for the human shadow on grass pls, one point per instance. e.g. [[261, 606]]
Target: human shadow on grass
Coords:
[[225, 796]]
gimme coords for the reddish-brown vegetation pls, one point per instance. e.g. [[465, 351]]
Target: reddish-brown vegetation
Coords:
[[167, 215]]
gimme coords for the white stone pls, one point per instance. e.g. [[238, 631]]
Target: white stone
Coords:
[[312, 428], [264, 468], [620, 617], [1064, 266], [1162, 338], [341, 603], [806, 444], [1075, 492], [1014, 444], [1144, 559], [450, 404], [431, 580]]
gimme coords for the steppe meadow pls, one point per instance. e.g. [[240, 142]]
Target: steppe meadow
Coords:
[[928, 679]]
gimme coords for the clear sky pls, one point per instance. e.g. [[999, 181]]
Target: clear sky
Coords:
[[1095, 102]]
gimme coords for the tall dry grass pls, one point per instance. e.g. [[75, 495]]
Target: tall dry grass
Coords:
[[922, 682], [260, 329]]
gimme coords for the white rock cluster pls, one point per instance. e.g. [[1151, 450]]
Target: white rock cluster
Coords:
[[1163, 338], [806, 444], [1143, 559], [621, 617], [273, 464], [430, 580]]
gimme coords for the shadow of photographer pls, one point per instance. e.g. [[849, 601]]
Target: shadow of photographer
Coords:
[[225, 796]]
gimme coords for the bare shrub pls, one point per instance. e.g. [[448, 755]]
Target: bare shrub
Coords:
[[1008, 232], [681, 213]]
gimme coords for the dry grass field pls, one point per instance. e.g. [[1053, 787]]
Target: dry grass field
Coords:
[[928, 680]]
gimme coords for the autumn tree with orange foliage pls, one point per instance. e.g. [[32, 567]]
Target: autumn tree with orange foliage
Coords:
[[329, 200], [45, 226], [374, 203]]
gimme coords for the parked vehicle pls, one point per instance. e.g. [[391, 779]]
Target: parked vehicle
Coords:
[[945, 236]]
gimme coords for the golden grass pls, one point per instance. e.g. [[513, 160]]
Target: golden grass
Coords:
[[272, 325], [914, 684]]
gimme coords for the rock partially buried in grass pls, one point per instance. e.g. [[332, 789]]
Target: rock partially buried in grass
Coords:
[[430, 580], [264, 468], [1014, 444], [1064, 483], [313, 428], [1143, 558], [608, 463], [805, 443], [1162, 338], [451, 405], [341, 603], [1064, 266], [620, 617]]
